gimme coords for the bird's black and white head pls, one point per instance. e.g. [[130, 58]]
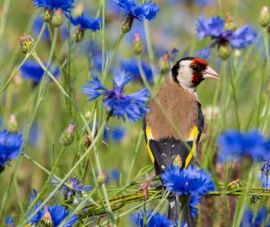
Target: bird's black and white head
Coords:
[[189, 72]]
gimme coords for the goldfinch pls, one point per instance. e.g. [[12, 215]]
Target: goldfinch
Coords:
[[175, 121]]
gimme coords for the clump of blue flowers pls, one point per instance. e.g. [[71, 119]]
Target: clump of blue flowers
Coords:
[[225, 38], [31, 70], [146, 11], [189, 182], [157, 220], [234, 145], [119, 104], [50, 215], [10, 146]]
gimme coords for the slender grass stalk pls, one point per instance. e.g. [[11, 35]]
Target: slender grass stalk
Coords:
[[3, 18], [150, 50]]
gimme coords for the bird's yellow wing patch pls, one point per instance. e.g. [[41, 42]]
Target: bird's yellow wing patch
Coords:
[[192, 137], [149, 136]]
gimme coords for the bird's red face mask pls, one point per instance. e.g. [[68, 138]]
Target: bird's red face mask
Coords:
[[201, 71]]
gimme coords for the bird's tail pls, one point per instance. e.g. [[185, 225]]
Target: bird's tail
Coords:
[[174, 212]]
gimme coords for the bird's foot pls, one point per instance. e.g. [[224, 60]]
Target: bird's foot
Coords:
[[145, 186]]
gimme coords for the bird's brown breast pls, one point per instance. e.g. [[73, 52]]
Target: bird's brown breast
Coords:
[[179, 115]]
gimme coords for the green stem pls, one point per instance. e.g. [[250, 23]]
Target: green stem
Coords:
[[4, 13], [150, 50]]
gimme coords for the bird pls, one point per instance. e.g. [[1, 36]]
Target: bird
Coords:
[[175, 121]]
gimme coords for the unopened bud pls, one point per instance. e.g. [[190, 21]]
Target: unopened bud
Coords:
[[12, 123], [224, 51], [26, 43], [164, 64], [264, 16], [102, 178], [126, 26], [137, 44], [67, 136], [46, 220], [47, 15], [78, 35], [58, 18], [229, 23], [78, 10]]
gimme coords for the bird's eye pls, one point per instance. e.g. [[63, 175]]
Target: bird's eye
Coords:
[[196, 68]]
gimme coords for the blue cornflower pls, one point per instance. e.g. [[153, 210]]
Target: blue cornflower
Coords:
[[157, 220], [32, 71], [260, 219], [266, 175], [51, 215], [119, 105], [188, 182], [117, 134], [9, 221], [147, 10], [65, 5], [77, 187], [234, 144], [86, 23], [10, 146], [131, 67], [215, 29], [113, 175]]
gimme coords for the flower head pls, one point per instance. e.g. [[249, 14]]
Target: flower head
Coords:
[[76, 187], [234, 144], [9, 221], [188, 182], [33, 71], [131, 67], [51, 215], [10, 146], [65, 5], [215, 29], [86, 23], [147, 10], [119, 105], [248, 218], [157, 220], [266, 175]]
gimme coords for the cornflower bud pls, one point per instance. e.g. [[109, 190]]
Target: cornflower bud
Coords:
[[224, 51], [12, 123], [47, 15], [46, 220], [264, 16], [78, 35], [164, 64], [137, 44], [57, 18], [101, 179], [229, 23], [26, 42], [126, 26], [67, 136]]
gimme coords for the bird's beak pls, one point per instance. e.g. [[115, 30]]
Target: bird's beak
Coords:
[[210, 73]]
